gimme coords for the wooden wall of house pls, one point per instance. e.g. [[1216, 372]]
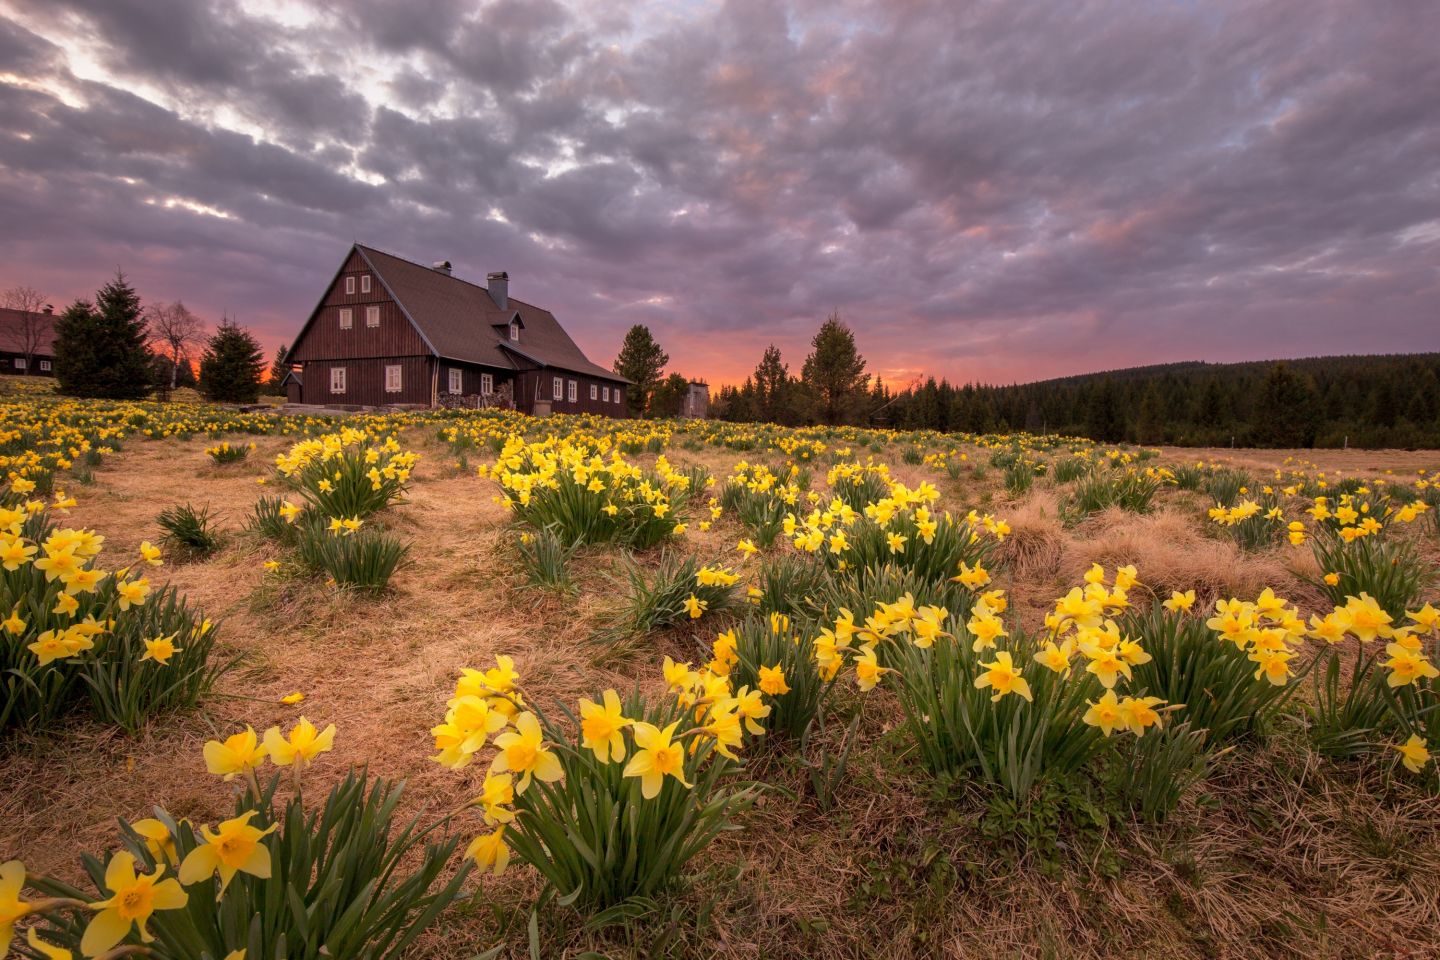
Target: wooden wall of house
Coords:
[[470, 377], [526, 384], [325, 340], [365, 381], [38, 366]]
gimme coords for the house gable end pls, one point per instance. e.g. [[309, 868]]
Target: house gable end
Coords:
[[398, 302], [356, 253], [294, 352]]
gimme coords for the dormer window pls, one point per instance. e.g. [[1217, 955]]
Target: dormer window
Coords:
[[515, 331]]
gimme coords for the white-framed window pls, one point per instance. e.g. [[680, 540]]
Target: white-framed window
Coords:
[[557, 388], [349, 286], [606, 393], [392, 378], [594, 392], [337, 379], [347, 318], [571, 395], [617, 394], [514, 331], [365, 283], [487, 383], [372, 316], [457, 381], [44, 364], [19, 363]]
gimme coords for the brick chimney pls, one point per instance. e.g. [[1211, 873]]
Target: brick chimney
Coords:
[[499, 286]]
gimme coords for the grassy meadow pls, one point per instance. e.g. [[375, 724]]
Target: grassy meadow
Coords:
[[891, 694]]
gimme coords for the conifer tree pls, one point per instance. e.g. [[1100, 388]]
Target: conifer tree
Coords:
[[834, 372], [642, 361], [101, 350], [773, 396], [278, 369], [231, 367]]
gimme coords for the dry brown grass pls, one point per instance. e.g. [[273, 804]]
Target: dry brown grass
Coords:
[[1275, 855], [1174, 553]]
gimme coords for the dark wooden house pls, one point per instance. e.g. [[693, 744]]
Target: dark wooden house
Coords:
[[27, 342], [391, 331]]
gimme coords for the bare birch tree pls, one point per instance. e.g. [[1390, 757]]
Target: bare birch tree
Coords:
[[177, 328]]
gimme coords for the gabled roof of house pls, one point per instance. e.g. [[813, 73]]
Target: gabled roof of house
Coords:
[[460, 320], [12, 331]]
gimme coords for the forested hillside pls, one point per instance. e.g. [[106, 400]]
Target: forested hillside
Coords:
[[1365, 401]]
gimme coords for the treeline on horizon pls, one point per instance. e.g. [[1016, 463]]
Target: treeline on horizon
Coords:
[[1359, 401]]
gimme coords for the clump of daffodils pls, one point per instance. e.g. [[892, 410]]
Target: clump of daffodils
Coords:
[[540, 774], [349, 474], [571, 485], [68, 624]]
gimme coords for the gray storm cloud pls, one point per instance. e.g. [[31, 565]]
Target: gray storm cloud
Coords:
[[1000, 190]]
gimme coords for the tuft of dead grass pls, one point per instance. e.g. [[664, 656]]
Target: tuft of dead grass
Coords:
[[1172, 553], [1037, 542]]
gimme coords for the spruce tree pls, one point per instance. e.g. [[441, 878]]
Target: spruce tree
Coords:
[[641, 361], [75, 349], [278, 369], [772, 388], [231, 367], [835, 373], [102, 351]]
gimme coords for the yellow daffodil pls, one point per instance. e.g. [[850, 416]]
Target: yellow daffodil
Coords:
[[12, 908], [237, 754], [1179, 601], [867, 669], [132, 593], [160, 650], [601, 726], [158, 839], [233, 847], [133, 899], [47, 950], [496, 795], [150, 554], [1002, 676], [13, 624], [1414, 753], [656, 757], [302, 744], [1407, 666], [1105, 713], [772, 680], [489, 851], [523, 751], [695, 607]]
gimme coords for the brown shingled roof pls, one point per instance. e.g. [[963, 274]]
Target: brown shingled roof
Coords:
[[461, 322], [12, 335]]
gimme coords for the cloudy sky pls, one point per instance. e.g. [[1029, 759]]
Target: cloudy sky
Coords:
[[998, 190]]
